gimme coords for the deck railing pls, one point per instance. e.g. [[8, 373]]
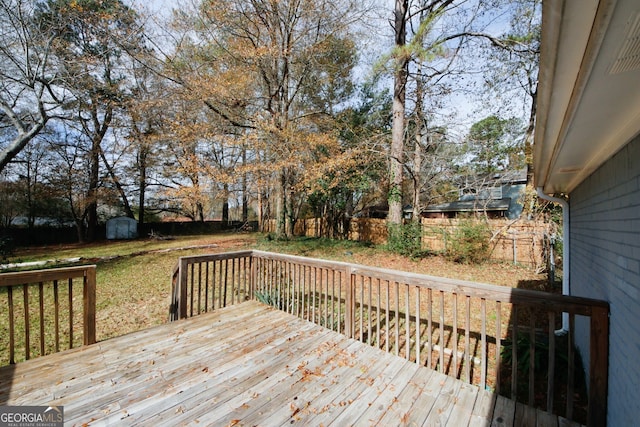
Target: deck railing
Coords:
[[495, 337], [62, 316]]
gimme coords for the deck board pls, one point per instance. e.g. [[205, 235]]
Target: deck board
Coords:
[[249, 365]]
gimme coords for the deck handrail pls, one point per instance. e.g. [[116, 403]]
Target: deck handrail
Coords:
[[446, 324], [49, 283]]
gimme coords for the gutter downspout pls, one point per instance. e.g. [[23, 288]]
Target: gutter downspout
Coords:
[[566, 290]]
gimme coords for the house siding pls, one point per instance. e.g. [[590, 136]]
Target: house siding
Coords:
[[605, 264]]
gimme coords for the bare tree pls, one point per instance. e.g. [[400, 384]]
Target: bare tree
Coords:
[[29, 96], [90, 40]]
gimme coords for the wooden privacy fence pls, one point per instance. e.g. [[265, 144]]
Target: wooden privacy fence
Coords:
[[495, 337], [46, 312], [521, 242]]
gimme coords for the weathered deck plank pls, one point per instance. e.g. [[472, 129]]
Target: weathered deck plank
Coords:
[[248, 365]]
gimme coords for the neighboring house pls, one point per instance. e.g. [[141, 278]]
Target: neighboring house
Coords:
[[587, 147], [498, 195]]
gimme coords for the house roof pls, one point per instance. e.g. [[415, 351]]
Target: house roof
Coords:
[[514, 176], [589, 90], [470, 206]]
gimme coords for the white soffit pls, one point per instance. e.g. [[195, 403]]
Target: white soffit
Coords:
[[602, 112], [559, 66]]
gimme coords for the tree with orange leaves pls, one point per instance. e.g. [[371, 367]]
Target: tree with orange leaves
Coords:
[[272, 73]]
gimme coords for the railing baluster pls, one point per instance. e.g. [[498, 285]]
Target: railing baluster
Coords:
[[41, 309], [514, 352], [442, 342], [340, 301], [378, 321], [315, 301], [12, 339], [430, 328], [305, 299], [56, 315], [369, 330], [572, 367], [191, 281], [361, 307], [388, 325], [407, 324], [226, 275], [532, 356], [498, 344], [70, 313], [290, 288], [467, 344], [397, 317], [215, 298], [223, 283], [333, 299], [298, 267], [418, 343], [483, 340], [25, 293], [326, 297], [551, 370], [276, 284], [288, 283], [199, 288], [206, 287], [234, 287], [454, 331]]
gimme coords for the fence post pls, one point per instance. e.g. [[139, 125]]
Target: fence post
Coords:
[[598, 367], [89, 306]]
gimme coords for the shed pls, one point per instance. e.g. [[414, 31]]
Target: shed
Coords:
[[122, 228]]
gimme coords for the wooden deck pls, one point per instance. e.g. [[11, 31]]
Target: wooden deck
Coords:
[[251, 365]]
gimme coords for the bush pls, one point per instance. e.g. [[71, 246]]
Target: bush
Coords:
[[469, 243], [7, 247], [405, 239]]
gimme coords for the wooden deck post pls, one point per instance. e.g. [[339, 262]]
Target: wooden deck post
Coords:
[[89, 307], [182, 288], [349, 314], [598, 367], [253, 272]]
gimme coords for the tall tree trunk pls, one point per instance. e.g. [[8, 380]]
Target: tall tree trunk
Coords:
[[245, 197], [142, 185], [80, 231], [398, 109], [417, 174], [290, 207], [421, 132], [116, 181], [225, 204], [528, 140], [260, 211], [281, 214], [92, 193]]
